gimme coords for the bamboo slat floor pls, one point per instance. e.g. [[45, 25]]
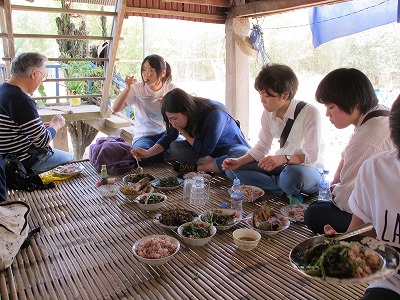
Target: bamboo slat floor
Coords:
[[84, 251]]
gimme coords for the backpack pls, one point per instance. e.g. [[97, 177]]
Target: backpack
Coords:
[[20, 178], [114, 152], [14, 230]]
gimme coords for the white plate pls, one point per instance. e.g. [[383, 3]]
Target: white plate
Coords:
[[68, 170], [287, 211], [285, 222], [221, 211], [390, 263], [156, 183], [173, 227], [250, 192]]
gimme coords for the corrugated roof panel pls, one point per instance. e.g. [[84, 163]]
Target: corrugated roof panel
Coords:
[[97, 2]]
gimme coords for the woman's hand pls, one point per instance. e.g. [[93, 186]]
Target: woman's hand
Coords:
[[230, 164], [140, 153], [129, 80], [270, 162]]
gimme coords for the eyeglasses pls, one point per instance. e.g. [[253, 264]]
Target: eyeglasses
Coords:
[[43, 75]]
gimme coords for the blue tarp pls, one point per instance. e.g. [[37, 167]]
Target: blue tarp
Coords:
[[330, 22]]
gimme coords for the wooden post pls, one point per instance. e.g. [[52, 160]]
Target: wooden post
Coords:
[[237, 73]]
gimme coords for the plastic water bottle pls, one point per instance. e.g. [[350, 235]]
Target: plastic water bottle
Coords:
[[324, 187], [237, 197]]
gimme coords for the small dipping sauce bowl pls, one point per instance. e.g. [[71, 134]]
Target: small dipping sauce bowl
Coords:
[[246, 239]]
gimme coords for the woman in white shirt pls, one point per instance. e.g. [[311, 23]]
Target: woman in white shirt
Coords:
[[375, 200], [146, 97], [350, 99], [293, 168]]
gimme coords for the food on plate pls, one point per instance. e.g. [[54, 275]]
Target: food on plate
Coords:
[[134, 178], [155, 248], [191, 175], [170, 181], [197, 230], [294, 212], [264, 218], [250, 192], [176, 217], [218, 217], [341, 259], [141, 187], [68, 169], [151, 199]]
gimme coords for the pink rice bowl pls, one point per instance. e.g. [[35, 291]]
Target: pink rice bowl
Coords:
[[155, 250]]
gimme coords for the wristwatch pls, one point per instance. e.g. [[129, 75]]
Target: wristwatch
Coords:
[[288, 158]]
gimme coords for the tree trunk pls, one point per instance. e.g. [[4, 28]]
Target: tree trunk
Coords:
[[82, 135]]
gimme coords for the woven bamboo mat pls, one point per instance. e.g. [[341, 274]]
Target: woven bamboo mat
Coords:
[[84, 251]]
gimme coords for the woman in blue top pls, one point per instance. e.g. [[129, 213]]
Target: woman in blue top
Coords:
[[210, 133]]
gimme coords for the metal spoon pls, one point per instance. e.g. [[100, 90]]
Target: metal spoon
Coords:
[[139, 169], [341, 236]]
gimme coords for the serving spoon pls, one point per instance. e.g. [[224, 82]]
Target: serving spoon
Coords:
[[139, 169]]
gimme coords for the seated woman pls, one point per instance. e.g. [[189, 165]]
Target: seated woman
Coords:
[[210, 133], [293, 168], [350, 99], [374, 200]]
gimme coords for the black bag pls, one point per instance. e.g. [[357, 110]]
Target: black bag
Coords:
[[20, 178]]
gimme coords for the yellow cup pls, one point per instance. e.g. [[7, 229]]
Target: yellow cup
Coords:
[[75, 101]]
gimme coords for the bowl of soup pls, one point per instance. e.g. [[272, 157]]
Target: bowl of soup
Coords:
[[246, 239]]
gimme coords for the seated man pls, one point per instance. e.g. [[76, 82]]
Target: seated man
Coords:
[[23, 132]]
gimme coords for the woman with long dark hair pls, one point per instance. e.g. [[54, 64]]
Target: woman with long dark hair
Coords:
[[210, 133]]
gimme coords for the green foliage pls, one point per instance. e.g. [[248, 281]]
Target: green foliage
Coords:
[[82, 69]]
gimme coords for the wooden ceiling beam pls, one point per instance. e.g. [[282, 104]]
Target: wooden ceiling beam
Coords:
[[264, 8], [219, 3], [172, 13], [63, 10]]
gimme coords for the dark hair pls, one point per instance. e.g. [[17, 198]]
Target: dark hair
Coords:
[[278, 78], [25, 62], [159, 64], [178, 101], [348, 89], [394, 123]]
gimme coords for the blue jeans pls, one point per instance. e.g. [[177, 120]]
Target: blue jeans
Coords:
[[146, 142], [291, 179], [50, 160], [183, 151]]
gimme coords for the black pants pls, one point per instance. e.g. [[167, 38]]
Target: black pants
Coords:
[[320, 213], [380, 294]]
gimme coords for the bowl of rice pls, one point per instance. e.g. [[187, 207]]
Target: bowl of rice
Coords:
[[155, 250]]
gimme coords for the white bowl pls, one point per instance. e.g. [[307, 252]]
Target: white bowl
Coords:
[[108, 190], [197, 241], [246, 239], [156, 241], [150, 207]]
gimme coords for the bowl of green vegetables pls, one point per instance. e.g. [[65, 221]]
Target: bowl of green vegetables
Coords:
[[197, 233], [151, 201]]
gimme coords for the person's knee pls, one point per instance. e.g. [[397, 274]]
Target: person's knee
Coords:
[[312, 217]]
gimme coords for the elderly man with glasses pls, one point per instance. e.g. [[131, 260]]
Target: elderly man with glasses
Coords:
[[22, 131]]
